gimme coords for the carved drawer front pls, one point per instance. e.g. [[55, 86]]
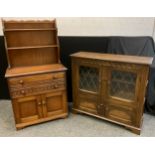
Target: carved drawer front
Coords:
[[36, 84], [121, 114]]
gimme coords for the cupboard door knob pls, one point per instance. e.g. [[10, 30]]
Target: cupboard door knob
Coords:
[[23, 92], [44, 102], [39, 103], [107, 108], [109, 82]]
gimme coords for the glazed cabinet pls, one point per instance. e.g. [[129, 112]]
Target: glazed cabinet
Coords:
[[36, 78], [110, 87]]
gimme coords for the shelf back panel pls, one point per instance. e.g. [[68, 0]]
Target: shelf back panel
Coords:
[[33, 57], [29, 24], [30, 38]]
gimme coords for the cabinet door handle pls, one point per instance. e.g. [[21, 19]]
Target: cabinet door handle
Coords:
[[39, 103], [109, 82], [43, 102], [107, 108], [23, 92]]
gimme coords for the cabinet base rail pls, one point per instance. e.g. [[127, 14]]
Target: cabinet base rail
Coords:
[[23, 125], [132, 128]]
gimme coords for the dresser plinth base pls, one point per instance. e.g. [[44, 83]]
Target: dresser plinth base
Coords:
[[23, 125]]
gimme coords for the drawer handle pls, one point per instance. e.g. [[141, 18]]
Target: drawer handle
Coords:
[[55, 86], [23, 92], [21, 81], [54, 77]]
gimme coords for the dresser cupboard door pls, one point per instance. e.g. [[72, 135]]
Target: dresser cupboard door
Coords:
[[27, 109], [54, 103]]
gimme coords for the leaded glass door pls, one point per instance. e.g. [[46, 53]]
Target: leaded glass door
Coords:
[[89, 78], [89, 87], [122, 85], [121, 95]]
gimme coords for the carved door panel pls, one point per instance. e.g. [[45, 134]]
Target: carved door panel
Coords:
[[89, 87], [27, 109], [121, 114], [54, 103]]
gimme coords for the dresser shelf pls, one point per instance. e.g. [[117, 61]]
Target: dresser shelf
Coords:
[[32, 47]]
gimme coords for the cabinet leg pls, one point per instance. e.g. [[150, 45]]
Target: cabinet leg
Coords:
[[134, 130], [74, 111], [64, 117], [19, 128]]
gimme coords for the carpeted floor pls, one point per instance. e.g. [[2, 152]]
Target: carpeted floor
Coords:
[[73, 126]]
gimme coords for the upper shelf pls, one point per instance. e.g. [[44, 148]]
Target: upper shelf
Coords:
[[31, 47], [31, 29], [29, 24]]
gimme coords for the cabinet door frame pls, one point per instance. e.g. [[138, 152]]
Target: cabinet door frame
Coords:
[[124, 103], [85, 94], [45, 97], [16, 103]]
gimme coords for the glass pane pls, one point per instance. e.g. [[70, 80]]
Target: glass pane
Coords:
[[123, 84], [89, 78]]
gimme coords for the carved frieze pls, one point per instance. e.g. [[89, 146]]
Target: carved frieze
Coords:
[[36, 87], [102, 63]]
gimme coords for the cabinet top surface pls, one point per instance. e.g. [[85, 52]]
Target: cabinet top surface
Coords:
[[31, 70], [114, 57]]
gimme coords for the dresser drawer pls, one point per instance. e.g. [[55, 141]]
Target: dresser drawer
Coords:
[[26, 80], [36, 84]]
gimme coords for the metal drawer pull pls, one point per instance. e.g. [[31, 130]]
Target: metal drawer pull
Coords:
[[55, 86], [21, 81], [54, 77]]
